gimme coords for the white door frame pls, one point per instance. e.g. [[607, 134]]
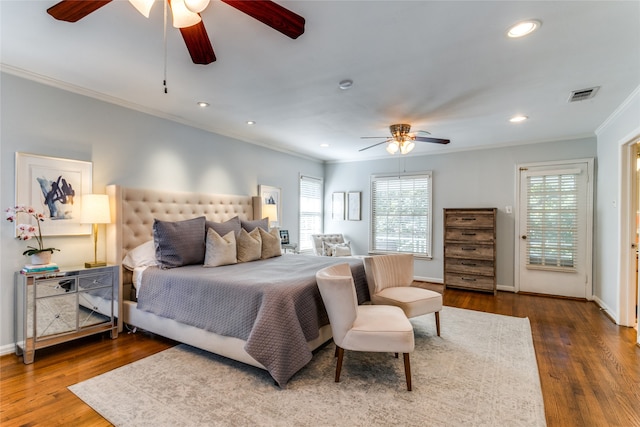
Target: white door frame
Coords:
[[589, 237], [628, 197]]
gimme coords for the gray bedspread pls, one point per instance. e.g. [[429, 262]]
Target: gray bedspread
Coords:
[[273, 304]]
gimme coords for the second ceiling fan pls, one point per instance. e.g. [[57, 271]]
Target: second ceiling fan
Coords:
[[401, 140], [186, 17]]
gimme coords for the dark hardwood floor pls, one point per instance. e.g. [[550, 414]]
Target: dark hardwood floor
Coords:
[[589, 367]]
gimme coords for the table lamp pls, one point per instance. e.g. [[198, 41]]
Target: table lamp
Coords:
[[95, 210], [270, 210]]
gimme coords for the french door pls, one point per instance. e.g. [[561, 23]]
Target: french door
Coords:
[[555, 228]]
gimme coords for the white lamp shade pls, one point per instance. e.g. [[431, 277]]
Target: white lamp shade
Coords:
[[95, 209], [143, 6], [270, 211], [407, 146], [196, 6], [392, 147], [183, 17]]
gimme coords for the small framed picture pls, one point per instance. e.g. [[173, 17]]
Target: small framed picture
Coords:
[[284, 237], [337, 207], [353, 206]]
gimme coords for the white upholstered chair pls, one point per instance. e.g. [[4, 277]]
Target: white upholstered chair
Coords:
[[389, 278], [371, 328], [328, 240]]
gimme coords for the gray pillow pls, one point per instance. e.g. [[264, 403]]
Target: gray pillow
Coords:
[[250, 225], [179, 243], [223, 228]]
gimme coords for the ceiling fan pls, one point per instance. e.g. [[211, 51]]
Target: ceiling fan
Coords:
[[187, 18], [403, 141]]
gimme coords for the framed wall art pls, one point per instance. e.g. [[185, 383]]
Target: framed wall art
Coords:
[[353, 206], [337, 206], [271, 196], [54, 186]]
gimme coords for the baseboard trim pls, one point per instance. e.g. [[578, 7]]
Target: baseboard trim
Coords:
[[428, 279], [7, 349]]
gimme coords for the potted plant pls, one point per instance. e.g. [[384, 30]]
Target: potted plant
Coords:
[[40, 254]]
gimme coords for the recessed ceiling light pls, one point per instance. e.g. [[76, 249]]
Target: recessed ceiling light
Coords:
[[324, 145], [251, 122], [203, 104], [345, 84], [523, 28], [518, 119]]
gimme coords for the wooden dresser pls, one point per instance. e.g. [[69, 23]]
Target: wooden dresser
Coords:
[[470, 249]]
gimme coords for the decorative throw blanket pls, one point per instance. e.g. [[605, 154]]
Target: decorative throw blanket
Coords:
[[273, 304]]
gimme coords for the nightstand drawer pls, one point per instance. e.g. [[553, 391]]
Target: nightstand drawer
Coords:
[[95, 281]]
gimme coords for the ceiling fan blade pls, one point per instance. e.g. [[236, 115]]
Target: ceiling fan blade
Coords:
[[273, 15], [434, 140], [198, 44], [74, 10], [374, 145], [373, 137]]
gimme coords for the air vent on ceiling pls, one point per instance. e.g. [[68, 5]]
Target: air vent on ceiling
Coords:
[[582, 94]]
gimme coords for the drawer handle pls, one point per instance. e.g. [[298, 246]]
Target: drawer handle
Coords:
[[468, 219], [468, 234], [472, 264], [468, 249], [468, 279]]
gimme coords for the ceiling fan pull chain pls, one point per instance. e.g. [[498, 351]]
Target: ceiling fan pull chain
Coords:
[[164, 40]]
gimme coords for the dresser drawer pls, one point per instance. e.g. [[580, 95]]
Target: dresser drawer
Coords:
[[468, 235], [469, 266], [469, 281], [470, 219], [468, 251]]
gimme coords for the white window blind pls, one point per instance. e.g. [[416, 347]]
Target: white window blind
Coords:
[[552, 220], [401, 214], [310, 210]]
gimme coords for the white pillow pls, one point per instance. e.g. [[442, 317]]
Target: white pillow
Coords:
[[220, 250], [337, 249], [141, 256]]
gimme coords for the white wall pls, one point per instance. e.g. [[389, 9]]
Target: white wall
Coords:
[[128, 148], [480, 178], [621, 128]]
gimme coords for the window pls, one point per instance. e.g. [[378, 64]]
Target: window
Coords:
[[552, 220], [310, 210], [401, 214]]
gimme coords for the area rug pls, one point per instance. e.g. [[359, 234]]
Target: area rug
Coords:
[[482, 371]]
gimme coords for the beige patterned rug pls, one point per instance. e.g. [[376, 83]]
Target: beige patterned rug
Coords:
[[482, 371]]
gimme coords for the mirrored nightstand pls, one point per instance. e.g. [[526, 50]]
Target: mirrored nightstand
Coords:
[[52, 308]]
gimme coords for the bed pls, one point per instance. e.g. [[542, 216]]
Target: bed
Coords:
[[267, 313]]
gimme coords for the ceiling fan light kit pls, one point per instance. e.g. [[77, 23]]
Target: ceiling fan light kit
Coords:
[[182, 16], [143, 6], [196, 6], [189, 21], [403, 141]]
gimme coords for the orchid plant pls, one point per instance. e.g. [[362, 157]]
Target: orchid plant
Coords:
[[29, 231]]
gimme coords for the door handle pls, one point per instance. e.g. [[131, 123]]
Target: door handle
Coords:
[[524, 237]]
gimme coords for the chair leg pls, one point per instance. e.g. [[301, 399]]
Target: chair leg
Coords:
[[340, 351], [438, 322], [407, 370]]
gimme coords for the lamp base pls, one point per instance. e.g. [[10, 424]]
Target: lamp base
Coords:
[[95, 264]]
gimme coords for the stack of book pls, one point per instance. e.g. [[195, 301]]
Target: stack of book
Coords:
[[52, 267]]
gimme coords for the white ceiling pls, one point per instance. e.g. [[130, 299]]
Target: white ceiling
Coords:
[[442, 66]]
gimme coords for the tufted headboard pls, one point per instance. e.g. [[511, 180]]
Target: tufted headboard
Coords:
[[133, 211]]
